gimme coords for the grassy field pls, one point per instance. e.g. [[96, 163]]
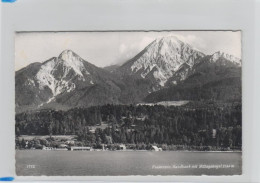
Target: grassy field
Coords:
[[58, 137], [167, 103]]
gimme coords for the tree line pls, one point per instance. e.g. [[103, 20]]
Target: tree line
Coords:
[[140, 125]]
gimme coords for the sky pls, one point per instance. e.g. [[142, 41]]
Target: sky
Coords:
[[109, 48]]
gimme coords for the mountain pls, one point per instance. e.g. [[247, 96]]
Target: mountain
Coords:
[[224, 58], [218, 62], [213, 77], [160, 60], [63, 82], [167, 69]]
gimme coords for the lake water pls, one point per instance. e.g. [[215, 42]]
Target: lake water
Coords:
[[85, 163]]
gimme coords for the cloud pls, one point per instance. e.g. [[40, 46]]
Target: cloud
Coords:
[[122, 48], [129, 48], [192, 40], [187, 39]]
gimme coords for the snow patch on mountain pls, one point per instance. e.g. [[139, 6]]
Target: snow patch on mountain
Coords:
[[46, 77], [30, 82], [160, 76]]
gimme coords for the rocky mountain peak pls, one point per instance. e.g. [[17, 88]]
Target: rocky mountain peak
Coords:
[[161, 58], [217, 55], [67, 54], [72, 60]]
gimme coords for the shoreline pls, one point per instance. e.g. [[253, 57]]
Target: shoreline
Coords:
[[238, 151]]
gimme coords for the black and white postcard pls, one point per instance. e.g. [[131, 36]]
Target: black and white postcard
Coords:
[[128, 103]]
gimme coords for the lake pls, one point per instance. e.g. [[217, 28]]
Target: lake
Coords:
[[86, 163]]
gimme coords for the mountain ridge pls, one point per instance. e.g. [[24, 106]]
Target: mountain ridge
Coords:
[[69, 81]]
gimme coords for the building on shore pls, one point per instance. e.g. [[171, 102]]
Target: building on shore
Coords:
[[70, 142], [47, 148], [74, 148], [155, 148], [62, 146], [122, 147]]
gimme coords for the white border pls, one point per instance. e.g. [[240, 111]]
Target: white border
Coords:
[[87, 15]]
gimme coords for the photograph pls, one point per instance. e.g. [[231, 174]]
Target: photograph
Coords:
[[121, 103]]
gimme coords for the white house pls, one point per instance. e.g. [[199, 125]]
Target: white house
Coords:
[[122, 147], [155, 148]]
